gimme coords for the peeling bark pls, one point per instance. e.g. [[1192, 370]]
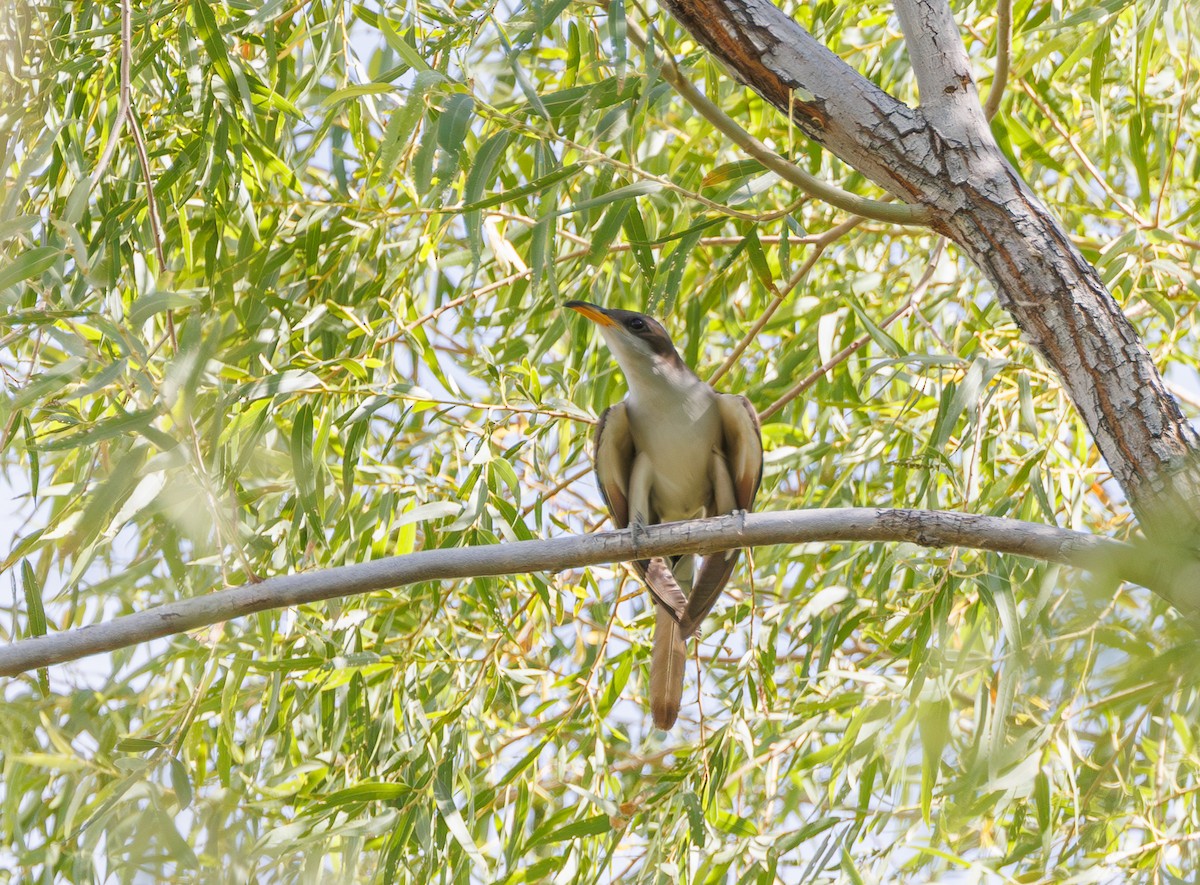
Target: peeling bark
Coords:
[[942, 155]]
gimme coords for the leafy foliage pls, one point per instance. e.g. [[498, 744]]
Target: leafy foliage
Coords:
[[351, 348]]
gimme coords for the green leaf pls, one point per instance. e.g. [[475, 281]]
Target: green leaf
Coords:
[[158, 302], [280, 384], [404, 49], [933, 721], [758, 261], [354, 90], [218, 52], [453, 819], [374, 791], [878, 335], [137, 745], [303, 466], [616, 684], [455, 122], [401, 124], [622, 193], [605, 232], [429, 512], [588, 826], [635, 232], [733, 173], [1041, 797], [695, 816], [110, 428], [422, 163], [29, 264], [481, 174], [18, 226], [31, 452], [453, 126], [36, 613], [539, 185], [668, 278], [617, 34], [181, 783]]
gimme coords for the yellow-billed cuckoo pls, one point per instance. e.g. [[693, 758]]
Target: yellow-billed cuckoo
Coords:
[[675, 449]]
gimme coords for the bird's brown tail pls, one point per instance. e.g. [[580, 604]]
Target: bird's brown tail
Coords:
[[711, 580], [663, 586], [667, 664]]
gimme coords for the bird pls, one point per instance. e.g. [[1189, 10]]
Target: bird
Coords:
[[673, 449]]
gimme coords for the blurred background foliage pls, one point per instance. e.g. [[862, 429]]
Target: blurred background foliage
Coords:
[[329, 331]]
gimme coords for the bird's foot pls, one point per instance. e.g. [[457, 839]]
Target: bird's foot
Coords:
[[637, 534], [740, 515]]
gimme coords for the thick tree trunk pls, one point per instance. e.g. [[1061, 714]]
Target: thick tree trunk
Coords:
[[941, 155]]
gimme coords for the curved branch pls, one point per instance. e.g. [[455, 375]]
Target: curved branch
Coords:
[[1176, 581], [877, 210], [825, 98]]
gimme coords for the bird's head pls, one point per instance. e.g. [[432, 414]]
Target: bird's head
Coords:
[[640, 344]]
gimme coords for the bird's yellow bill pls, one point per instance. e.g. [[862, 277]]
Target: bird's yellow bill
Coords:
[[591, 311]]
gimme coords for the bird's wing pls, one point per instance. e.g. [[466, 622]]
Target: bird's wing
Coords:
[[615, 453], [743, 459], [743, 446], [614, 461]]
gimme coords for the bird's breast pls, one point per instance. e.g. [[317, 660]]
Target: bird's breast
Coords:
[[679, 434]]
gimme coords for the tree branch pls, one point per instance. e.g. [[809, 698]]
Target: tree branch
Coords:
[[827, 99], [1177, 581], [943, 70], [877, 210], [1003, 54], [942, 155]]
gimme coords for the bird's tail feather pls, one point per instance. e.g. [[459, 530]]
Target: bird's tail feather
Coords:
[[663, 586], [711, 580], [666, 670]]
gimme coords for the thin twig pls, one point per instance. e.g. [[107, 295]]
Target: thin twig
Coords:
[[125, 116], [820, 244], [650, 244], [478, 293], [807, 382], [122, 98], [135, 130], [1183, 104], [546, 495], [616, 247], [1003, 54], [594, 155], [1083, 158], [125, 113]]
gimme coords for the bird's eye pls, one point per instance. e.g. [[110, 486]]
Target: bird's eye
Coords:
[[637, 324]]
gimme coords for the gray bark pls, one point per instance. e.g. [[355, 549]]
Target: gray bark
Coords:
[[1177, 582], [942, 156]]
